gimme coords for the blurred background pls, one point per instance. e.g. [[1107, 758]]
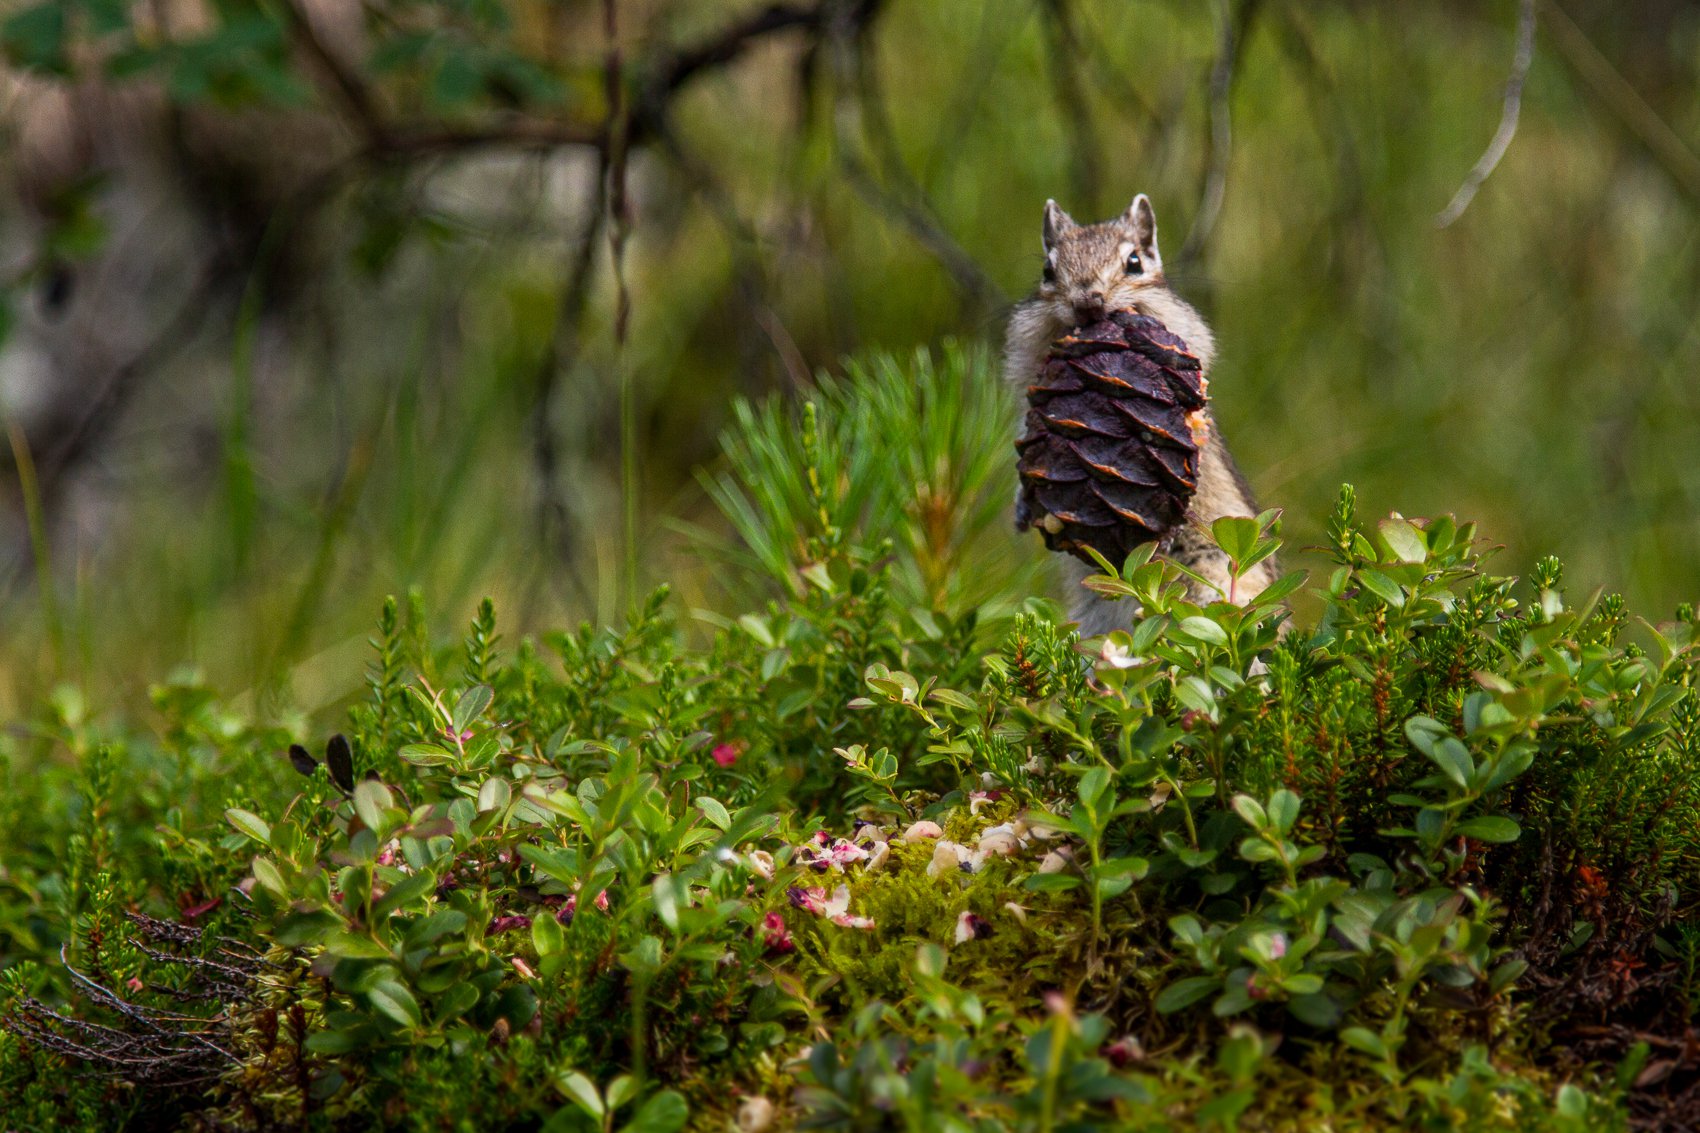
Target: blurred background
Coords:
[[312, 301]]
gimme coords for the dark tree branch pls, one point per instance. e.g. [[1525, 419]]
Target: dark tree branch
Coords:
[[1638, 119], [350, 88], [1066, 52], [1236, 24], [859, 112], [1508, 114]]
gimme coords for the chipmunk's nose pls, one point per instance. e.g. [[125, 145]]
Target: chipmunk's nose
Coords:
[[1090, 306]]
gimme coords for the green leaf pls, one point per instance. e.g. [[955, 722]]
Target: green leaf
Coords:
[[547, 936], [1404, 540], [1489, 828], [495, 794], [1204, 629], [250, 824], [1251, 811], [665, 891], [665, 1112], [582, 1091], [405, 892], [428, 755], [393, 1000], [1319, 1010], [1453, 758], [1236, 535], [354, 947], [371, 800], [1184, 993], [1051, 882], [1366, 1040], [1283, 809], [1382, 587], [470, 707], [436, 925], [714, 811], [267, 875]]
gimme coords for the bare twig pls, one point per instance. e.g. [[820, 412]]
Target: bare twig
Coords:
[[1508, 114], [1236, 23], [859, 113], [557, 359], [615, 140], [349, 86], [1065, 63], [1664, 144]]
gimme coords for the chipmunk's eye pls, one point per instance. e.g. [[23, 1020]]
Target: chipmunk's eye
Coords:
[[1134, 265]]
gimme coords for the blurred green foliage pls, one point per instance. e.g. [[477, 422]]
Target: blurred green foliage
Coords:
[[808, 191], [855, 861]]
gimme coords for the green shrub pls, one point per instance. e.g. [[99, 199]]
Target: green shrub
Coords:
[[876, 860]]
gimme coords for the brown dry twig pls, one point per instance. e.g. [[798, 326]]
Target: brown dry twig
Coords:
[[1236, 25], [1509, 112]]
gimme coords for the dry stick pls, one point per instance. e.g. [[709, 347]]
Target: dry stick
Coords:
[[908, 205], [619, 229], [1064, 58], [1219, 141], [558, 355], [1508, 115], [1642, 121]]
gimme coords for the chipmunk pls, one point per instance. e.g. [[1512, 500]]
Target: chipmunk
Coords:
[[1115, 265]]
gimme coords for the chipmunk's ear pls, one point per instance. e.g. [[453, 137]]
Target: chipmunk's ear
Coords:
[[1057, 224], [1141, 220]]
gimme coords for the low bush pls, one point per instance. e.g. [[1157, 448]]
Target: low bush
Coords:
[[856, 861]]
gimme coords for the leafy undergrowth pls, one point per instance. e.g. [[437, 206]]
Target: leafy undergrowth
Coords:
[[894, 850], [1429, 863]]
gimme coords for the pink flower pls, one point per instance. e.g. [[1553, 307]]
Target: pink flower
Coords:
[[1278, 945], [838, 908], [842, 852], [775, 935], [567, 911], [507, 924], [970, 927], [601, 901], [1124, 1051], [195, 912], [810, 900], [727, 754]]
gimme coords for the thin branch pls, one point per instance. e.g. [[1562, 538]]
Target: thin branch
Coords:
[[1664, 144], [558, 357], [616, 138], [1236, 23], [1508, 114], [1065, 55], [349, 86], [864, 116]]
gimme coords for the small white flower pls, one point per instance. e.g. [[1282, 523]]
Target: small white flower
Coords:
[[970, 927], [947, 859], [1016, 911], [1001, 842], [755, 1115], [878, 856], [1055, 862], [1118, 656], [923, 829], [760, 863]]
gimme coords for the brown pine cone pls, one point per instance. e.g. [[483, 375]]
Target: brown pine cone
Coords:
[[1109, 458]]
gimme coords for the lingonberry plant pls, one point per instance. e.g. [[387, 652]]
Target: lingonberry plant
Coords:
[[861, 861]]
